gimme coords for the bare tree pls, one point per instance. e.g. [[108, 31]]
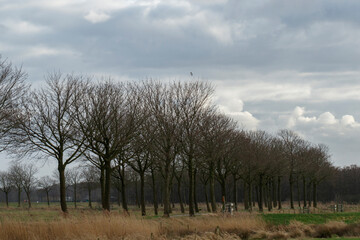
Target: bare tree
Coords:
[[29, 181], [16, 175], [90, 175], [47, 125], [193, 99], [216, 132], [108, 120], [12, 87], [291, 142], [120, 174], [163, 106], [6, 185], [75, 177], [46, 183], [321, 167]]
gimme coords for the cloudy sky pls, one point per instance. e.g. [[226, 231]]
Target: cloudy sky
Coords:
[[275, 64]]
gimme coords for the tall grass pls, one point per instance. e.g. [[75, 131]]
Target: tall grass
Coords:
[[99, 226], [116, 226]]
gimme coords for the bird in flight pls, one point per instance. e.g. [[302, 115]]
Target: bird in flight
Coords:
[[191, 74]]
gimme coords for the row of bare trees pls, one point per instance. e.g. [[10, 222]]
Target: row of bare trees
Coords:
[[22, 177], [169, 130]]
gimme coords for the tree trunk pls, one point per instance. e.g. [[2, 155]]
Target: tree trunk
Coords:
[[195, 194], [180, 196], [167, 192], [191, 188], [246, 197], [260, 198], [61, 170], [314, 194], [123, 194], [75, 200], [274, 192], [212, 191], [255, 194], [309, 194], [279, 192], [7, 199], [304, 190], [155, 201], [29, 200], [19, 196], [265, 194], [106, 204], [142, 193], [136, 194], [89, 193], [269, 195], [235, 192], [47, 198], [207, 199], [298, 192], [291, 182], [250, 191], [102, 184]]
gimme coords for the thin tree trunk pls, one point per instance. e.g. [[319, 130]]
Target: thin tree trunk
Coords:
[[274, 192], [195, 194], [47, 198], [191, 188], [29, 200], [304, 190], [61, 170], [106, 204], [314, 194], [75, 200], [102, 184], [142, 193], [291, 182], [235, 192], [265, 194], [180, 195], [250, 195], [269, 195], [19, 196], [89, 193], [212, 191], [309, 194], [207, 199], [123, 193], [137, 202], [279, 192], [167, 191], [246, 197], [155, 201], [260, 198], [7, 198], [255, 194], [298, 192]]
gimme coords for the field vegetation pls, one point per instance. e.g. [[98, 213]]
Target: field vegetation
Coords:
[[43, 222]]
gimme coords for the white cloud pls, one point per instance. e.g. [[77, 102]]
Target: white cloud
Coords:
[[325, 121], [245, 119], [24, 27], [96, 17], [40, 51]]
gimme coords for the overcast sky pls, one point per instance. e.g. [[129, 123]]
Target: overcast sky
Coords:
[[275, 64]]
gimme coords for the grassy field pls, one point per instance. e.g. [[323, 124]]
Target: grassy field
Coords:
[[320, 218], [43, 222]]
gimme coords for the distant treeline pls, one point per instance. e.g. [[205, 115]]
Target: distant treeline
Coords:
[[167, 138]]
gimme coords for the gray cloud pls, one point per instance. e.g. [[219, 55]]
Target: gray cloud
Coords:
[[265, 57]]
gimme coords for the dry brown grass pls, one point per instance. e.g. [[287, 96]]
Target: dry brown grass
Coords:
[[116, 226]]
